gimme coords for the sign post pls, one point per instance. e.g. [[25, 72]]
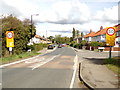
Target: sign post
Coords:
[[10, 40], [110, 38]]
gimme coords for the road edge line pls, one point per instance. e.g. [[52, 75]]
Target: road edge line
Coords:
[[22, 60], [74, 73]]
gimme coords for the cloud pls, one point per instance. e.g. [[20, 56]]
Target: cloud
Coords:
[[61, 31], [62, 15], [66, 12], [7, 9], [108, 15]]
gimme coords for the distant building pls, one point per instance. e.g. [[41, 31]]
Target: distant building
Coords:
[[100, 36], [38, 39], [88, 37]]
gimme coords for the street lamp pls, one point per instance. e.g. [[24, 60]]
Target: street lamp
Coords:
[[32, 22]]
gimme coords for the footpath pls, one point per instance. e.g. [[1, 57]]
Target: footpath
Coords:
[[93, 72]]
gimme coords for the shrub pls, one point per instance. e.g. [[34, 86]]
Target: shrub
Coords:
[[75, 45], [72, 43], [37, 47], [95, 44], [83, 42]]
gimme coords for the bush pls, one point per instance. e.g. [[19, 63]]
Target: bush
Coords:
[[83, 42], [95, 44], [37, 47], [80, 46], [75, 45], [72, 43]]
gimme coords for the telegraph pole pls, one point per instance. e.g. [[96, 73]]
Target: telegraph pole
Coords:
[[46, 34], [31, 26]]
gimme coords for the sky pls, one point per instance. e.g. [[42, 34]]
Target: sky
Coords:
[[58, 17]]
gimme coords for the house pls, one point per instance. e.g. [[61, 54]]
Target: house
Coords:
[[88, 37], [100, 36], [38, 39]]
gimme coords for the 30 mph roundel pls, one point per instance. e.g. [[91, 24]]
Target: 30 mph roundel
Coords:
[[110, 31], [9, 35]]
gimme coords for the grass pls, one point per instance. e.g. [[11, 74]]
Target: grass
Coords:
[[114, 65], [13, 58]]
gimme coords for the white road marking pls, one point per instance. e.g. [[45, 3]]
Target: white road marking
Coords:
[[74, 73], [36, 60], [1, 66], [42, 63]]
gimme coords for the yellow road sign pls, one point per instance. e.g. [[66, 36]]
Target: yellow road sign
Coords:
[[110, 36], [9, 38]]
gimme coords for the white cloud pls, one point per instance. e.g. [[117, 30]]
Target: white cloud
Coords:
[[67, 12], [6, 9], [61, 15], [108, 15]]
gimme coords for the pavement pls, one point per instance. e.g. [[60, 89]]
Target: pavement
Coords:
[[93, 72]]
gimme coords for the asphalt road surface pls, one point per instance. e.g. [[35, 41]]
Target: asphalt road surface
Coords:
[[51, 70]]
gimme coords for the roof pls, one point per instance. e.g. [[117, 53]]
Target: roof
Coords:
[[101, 32], [90, 34], [117, 27], [37, 36]]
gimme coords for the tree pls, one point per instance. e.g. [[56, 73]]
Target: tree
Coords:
[[62, 40], [58, 38], [71, 39], [77, 33], [82, 34], [73, 33], [51, 38], [22, 34], [43, 36]]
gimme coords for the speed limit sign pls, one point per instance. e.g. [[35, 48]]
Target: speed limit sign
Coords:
[[110, 36], [110, 31], [10, 35], [9, 38]]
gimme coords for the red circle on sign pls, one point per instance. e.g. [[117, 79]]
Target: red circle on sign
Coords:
[[108, 32], [10, 35]]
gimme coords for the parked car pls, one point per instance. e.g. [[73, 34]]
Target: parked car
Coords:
[[50, 46], [64, 45], [54, 45], [60, 46]]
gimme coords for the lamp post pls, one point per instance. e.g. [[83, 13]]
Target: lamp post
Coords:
[[32, 22]]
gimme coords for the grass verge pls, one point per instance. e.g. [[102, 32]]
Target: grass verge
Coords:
[[13, 58], [114, 65]]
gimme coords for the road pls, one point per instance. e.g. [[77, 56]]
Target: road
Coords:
[[52, 70]]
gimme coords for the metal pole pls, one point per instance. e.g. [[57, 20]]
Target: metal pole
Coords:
[[46, 34], [110, 52], [31, 26]]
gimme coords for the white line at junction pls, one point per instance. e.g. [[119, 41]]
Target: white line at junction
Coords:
[[48, 60]]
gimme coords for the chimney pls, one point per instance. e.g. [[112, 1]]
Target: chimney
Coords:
[[101, 27], [90, 30]]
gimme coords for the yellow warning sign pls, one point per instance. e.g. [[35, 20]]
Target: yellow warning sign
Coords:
[[110, 36], [9, 38]]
